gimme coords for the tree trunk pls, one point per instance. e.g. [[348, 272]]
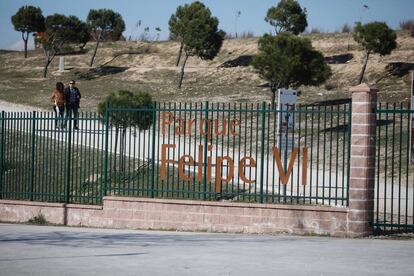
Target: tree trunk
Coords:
[[273, 99], [83, 46], [361, 75], [182, 71], [349, 37], [46, 66], [49, 57], [273, 88], [94, 53], [180, 53], [25, 43], [25, 48]]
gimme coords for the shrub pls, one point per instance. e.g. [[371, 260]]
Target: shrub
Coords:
[[407, 25], [247, 34], [39, 219], [315, 31], [331, 85], [288, 61], [229, 36], [346, 29]]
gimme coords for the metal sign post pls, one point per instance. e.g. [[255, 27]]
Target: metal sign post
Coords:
[[286, 124]]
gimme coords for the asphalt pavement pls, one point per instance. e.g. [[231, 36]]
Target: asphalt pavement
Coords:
[[54, 250]]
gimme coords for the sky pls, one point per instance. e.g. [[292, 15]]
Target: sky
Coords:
[[326, 15]]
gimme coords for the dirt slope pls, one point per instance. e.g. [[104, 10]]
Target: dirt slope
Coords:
[[151, 67]]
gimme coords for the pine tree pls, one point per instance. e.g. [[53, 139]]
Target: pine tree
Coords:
[[288, 61], [375, 37], [103, 23], [28, 19]]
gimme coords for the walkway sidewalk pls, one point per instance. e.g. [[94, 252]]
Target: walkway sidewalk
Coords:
[[46, 250]]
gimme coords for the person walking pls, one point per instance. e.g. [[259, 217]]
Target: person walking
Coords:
[[59, 100], [73, 96]]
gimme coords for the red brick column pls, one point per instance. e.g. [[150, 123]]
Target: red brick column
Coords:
[[362, 163]]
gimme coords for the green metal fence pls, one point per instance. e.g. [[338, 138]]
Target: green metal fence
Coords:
[[202, 151], [394, 204], [43, 163]]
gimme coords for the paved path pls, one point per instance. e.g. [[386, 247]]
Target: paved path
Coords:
[[44, 250]]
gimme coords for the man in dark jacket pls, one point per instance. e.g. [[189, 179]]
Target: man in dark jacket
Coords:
[[73, 97]]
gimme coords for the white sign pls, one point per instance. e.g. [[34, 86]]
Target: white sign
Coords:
[[287, 102], [286, 118]]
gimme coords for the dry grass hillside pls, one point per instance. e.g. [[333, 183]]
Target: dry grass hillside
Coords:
[[151, 66]]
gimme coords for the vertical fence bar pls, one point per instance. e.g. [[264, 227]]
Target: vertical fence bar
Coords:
[[179, 154], [1, 152], [378, 160], [263, 113], [311, 151], [13, 181], [305, 142], [256, 112], [39, 160], [400, 163], [205, 152], [6, 155], [154, 126], [394, 107], [337, 144], [48, 140], [349, 153], [323, 155], [68, 165], [158, 118], [317, 153], [32, 154], [330, 156], [386, 163], [411, 123], [106, 149], [409, 115]]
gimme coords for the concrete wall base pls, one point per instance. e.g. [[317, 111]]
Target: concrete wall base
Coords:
[[185, 215]]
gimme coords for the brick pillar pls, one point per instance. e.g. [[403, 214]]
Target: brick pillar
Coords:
[[362, 163]]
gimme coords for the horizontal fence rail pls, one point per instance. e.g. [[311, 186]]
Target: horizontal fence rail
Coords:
[[394, 203], [202, 151]]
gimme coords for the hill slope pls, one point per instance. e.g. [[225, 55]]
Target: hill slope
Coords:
[[151, 67]]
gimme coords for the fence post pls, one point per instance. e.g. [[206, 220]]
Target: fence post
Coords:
[[1, 153], [205, 153], [105, 187], [68, 159], [262, 140], [362, 161], [32, 159], [411, 121], [154, 125]]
